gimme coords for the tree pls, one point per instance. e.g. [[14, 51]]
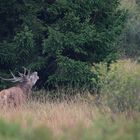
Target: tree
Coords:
[[81, 33], [66, 36]]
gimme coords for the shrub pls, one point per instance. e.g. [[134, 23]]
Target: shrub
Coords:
[[121, 87]]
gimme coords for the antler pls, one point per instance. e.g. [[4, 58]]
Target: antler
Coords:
[[18, 79], [28, 74], [26, 71], [22, 74], [14, 79]]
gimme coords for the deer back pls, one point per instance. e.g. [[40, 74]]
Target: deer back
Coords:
[[12, 97]]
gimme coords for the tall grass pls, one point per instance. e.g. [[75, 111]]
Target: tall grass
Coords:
[[55, 115], [66, 121]]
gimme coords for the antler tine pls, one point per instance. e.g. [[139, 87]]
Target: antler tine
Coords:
[[20, 74], [28, 74], [25, 70], [13, 74], [15, 79], [10, 79]]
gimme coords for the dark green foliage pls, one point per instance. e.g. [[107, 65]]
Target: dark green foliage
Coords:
[[24, 46], [10, 20], [61, 39], [70, 72]]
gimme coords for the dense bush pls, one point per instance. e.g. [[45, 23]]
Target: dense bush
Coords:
[[121, 86], [61, 39]]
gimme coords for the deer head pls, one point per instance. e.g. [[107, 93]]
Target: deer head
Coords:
[[26, 77]]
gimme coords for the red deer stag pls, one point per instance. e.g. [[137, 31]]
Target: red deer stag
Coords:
[[15, 96]]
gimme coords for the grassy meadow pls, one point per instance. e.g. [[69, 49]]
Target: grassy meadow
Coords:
[[113, 116]]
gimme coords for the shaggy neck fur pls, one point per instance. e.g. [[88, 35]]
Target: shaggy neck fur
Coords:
[[26, 88]]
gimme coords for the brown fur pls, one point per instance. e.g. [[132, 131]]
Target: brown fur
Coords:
[[13, 97]]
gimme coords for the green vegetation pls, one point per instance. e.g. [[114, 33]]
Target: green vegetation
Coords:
[[130, 40], [61, 39], [121, 86], [75, 46], [115, 116], [102, 129]]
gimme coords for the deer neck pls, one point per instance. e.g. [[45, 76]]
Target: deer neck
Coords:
[[26, 88]]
